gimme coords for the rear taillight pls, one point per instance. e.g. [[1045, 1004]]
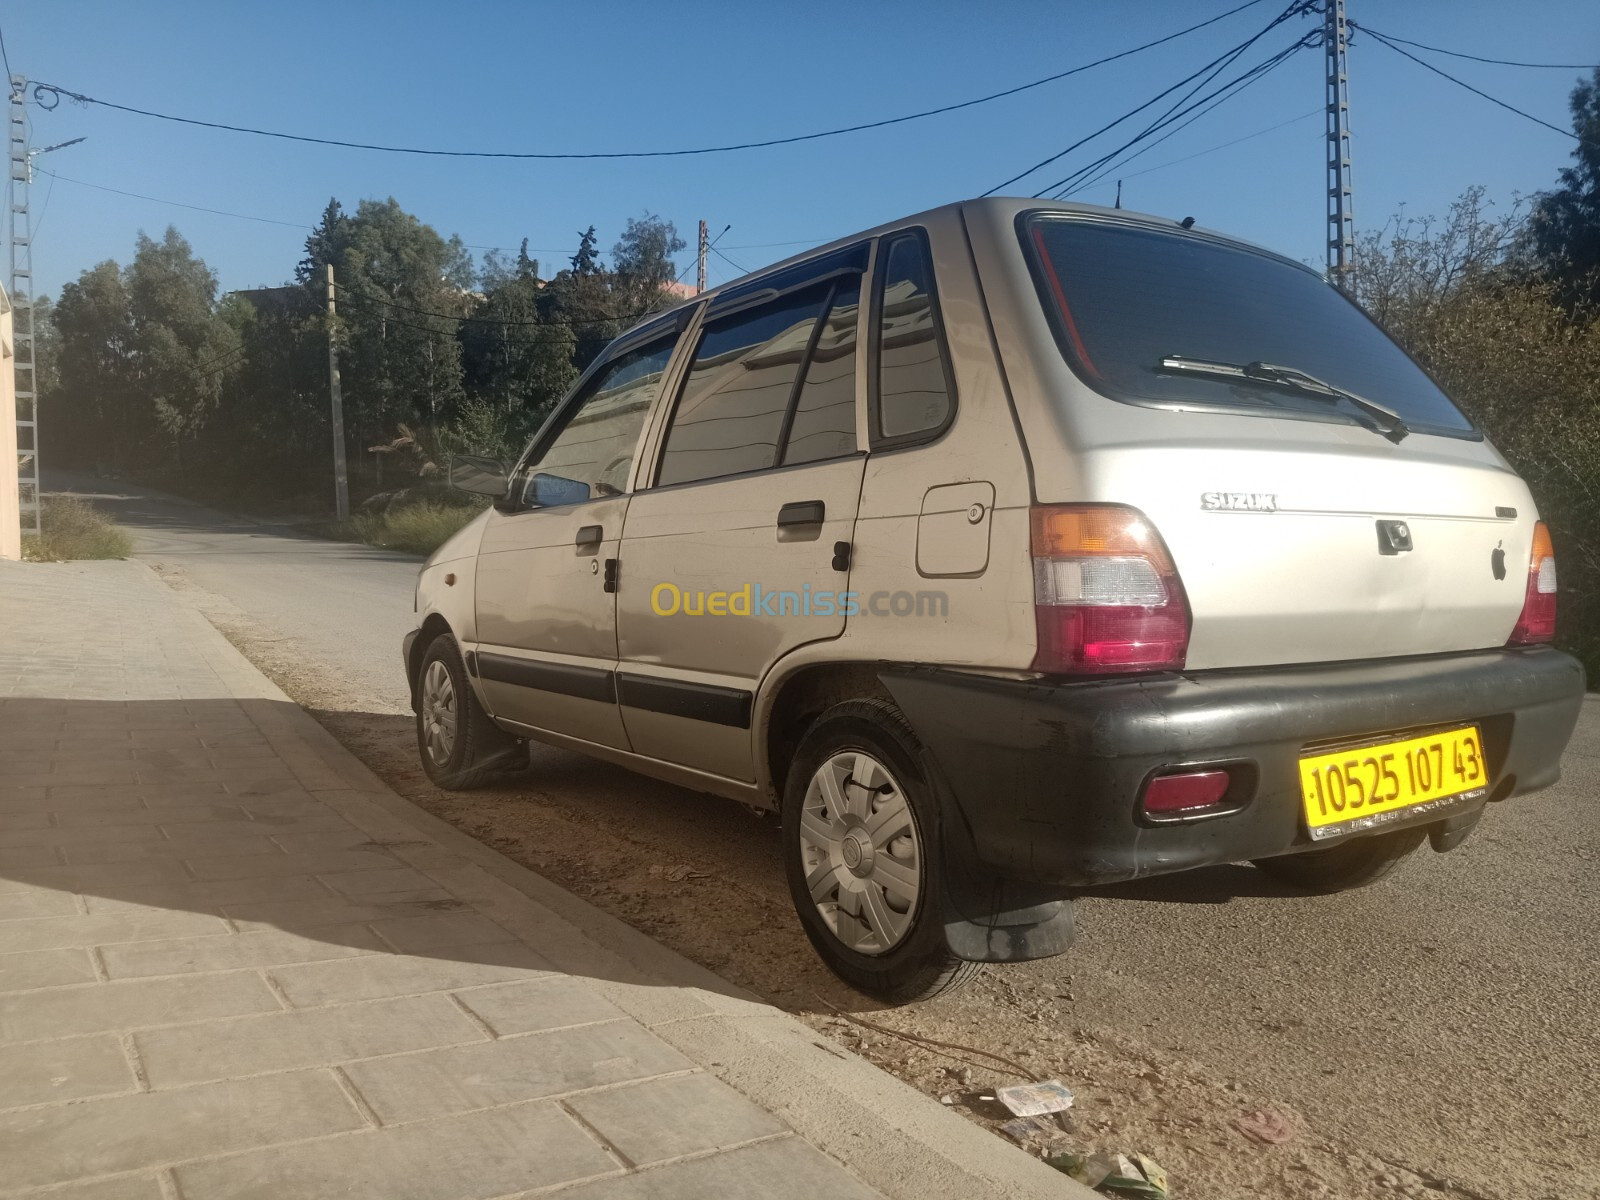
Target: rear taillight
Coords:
[[1106, 596], [1538, 620]]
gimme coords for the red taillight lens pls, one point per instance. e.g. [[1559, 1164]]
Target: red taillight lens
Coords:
[[1106, 596], [1538, 620], [1185, 795]]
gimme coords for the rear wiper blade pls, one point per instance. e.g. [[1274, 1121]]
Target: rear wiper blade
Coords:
[[1292, 379]]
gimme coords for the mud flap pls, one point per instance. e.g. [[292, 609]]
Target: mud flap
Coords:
[[988, 918]]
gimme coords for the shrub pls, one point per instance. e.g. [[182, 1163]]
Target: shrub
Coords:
[[73, 529], [414, 529]]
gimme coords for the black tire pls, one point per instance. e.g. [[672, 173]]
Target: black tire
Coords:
[[918, 964], [477, 749], [1348, 865]]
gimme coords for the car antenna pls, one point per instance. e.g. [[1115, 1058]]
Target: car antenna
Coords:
[[1118, 204], [1187, 222]]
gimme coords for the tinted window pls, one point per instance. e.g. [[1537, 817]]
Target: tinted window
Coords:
[[913, 389], [730, 414], [1125, 298], [825, 415], [593, 449]]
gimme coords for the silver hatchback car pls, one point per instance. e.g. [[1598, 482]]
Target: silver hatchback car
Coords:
[[1007, 550]]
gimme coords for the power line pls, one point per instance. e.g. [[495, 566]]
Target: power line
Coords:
[[5, 56], [1233, 52], [1499, 62], [729, 261], [1104, 166], [1305, 116], [175, 203], [1475, 91], [56, 91]]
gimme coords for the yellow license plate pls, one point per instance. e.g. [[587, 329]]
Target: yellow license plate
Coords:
[[1366, 786]]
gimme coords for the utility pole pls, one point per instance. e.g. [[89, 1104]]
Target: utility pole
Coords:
[[21, 284], [1341, 221], [705, 245], [341, 481]]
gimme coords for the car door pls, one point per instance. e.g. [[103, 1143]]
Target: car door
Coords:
[[739, 551], [546, 604]]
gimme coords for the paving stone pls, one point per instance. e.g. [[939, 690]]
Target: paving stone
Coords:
[[331, 910], [47, 933], [256, 865], [192, 896], [38, 902], [317, 828], [12, 820], [782, 1169], [670, 1118], [128, 1133], [316, 1037], [441, 932], [23, 857], [269, 948], [440, 1082], [463, 1158], [373, 976], [373, 883], [45, 968], [71, 838], [64, 1069], [551, 1003], [106, 879], [235, 843], [136, 813], [132, 1004], [122, 1187]]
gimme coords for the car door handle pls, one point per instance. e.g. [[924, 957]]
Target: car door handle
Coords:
[[590, 535], [802, 512]]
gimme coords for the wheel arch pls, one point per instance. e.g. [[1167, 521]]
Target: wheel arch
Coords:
[[791, 702], [432, 626]]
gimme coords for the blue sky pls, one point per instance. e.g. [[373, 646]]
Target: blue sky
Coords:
[[605, 76]]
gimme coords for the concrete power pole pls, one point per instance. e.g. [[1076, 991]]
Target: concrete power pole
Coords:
[[705, 245], [341, 480], [1341, 221], [21, 283]]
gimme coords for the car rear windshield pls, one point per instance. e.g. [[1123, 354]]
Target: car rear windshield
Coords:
[[1125, 297]]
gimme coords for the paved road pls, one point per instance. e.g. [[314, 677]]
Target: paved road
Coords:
[[345, 606], [1442, 1023]]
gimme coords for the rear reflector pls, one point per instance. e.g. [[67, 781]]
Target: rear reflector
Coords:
[[1106, 595], [1538, 620], [1185, 795]]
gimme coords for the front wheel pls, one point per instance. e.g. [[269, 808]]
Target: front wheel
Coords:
[[1348, 865], [460, 746], [862, 851]]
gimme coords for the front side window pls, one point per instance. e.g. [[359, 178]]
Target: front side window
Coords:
[[592, 450], [913, 395], [731, 414], [1128, 300]]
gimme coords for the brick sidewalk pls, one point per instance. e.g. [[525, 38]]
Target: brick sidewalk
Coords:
[[234, 964]]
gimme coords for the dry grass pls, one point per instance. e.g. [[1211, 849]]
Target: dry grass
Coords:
[[415, 529], [74, 529]]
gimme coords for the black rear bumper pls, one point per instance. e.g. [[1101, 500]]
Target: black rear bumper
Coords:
[[1046, 777]]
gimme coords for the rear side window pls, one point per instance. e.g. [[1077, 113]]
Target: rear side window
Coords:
[[1123, 298], [912, 397], [769, 385]]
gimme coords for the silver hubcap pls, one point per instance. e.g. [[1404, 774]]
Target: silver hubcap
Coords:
[[861, 852], [438, 714]]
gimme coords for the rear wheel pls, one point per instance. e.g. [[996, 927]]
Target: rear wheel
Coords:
[[460, 746], [1348, 865], [862, 853]]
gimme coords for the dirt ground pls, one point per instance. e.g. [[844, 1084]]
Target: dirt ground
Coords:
[[703, 876]]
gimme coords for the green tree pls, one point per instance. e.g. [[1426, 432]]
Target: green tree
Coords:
[[326, 245], [183, 350], [642, 257], [91, 419], [587, 260], [1565, 229]]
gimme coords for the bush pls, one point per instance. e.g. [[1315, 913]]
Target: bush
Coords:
[[414, 529], [73, 529]]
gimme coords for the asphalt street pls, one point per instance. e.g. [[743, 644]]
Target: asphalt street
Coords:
[[1445, 1020]]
